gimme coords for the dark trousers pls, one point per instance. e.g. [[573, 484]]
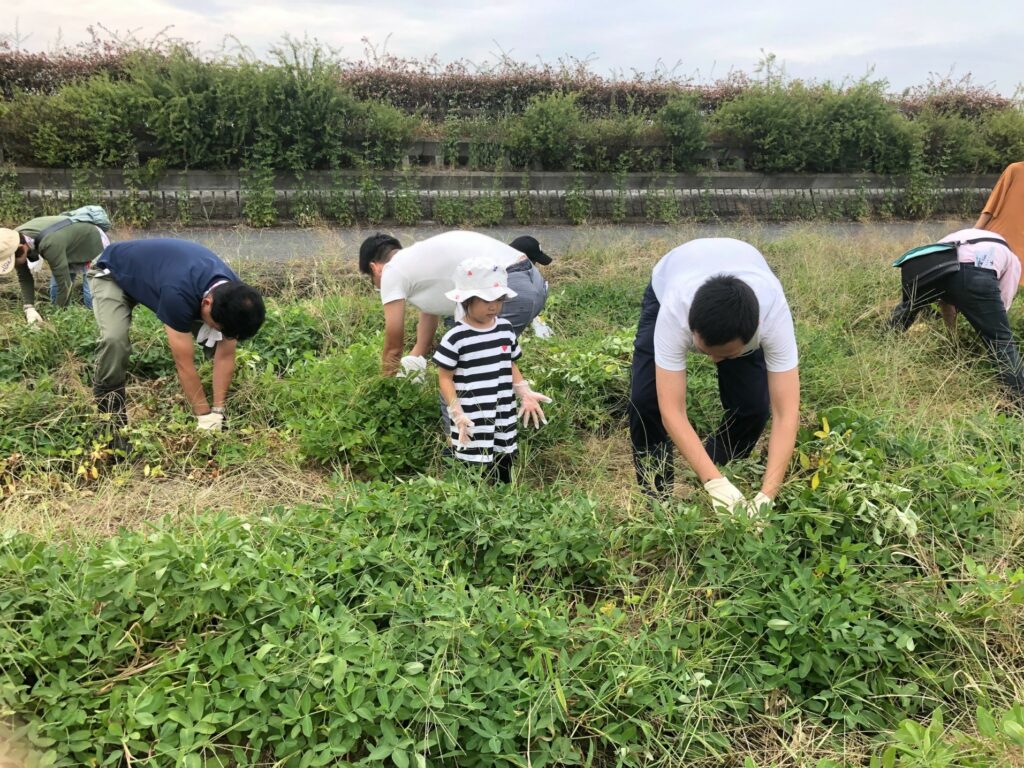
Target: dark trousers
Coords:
[[499, 470], [742, 387], [975, 294]]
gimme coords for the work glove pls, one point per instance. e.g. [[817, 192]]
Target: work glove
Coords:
[[724, 495], [760, 505], [31, 315], [34, 266], [462, 422], [414, 368], [529, 404], [541, 329], [211, 422]]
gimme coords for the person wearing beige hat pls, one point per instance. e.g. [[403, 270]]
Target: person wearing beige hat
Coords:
[[67, 246], [14, 255], [478, 375]]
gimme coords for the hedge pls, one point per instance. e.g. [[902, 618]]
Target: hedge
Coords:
[[306, 109]]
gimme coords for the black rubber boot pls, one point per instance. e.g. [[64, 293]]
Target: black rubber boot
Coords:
[[113, 402]]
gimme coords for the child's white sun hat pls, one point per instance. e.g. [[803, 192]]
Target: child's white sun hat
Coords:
[[481, 278]]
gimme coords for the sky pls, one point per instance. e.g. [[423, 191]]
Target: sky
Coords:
[[905, 43]]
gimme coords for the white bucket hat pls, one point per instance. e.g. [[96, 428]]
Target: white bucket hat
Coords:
[[481, 278], [9, 242]]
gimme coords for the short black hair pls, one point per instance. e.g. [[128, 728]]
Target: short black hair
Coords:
[[724, 309], [376, 248], [238, 309]]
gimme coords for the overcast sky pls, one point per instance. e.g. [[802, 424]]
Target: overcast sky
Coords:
[[902, 42]]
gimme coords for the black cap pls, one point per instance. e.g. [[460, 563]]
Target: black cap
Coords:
[[530, 246]]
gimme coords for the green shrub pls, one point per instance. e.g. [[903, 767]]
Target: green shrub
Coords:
[[1004, 135], [372, 201], [131, 209], [661, 206], [339, 204], [547, 131], [797, 127], [258, 194], [578, 199], [14, 208], [685, 129], [96, 122], [858, 129], [621, 139], [953, 144], [772, 123], [486, 139], [201, 114], [451, 210], [405, 202], [488, 209]]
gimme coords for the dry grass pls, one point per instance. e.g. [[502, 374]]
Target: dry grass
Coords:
[[126, 500]]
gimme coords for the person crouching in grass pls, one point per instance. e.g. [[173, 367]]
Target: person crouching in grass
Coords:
[[478, 376]]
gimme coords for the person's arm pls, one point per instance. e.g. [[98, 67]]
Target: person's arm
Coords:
[[672, 404], [394, 337], [184, 362], [995, 200], [425, 330], [1009, 280], [446, 381], [223, 370], [27, 284], [784, 391]]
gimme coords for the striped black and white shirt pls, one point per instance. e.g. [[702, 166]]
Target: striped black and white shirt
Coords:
[[482, 365]]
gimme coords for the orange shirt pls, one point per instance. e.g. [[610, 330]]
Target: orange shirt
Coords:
[[1006, 207]]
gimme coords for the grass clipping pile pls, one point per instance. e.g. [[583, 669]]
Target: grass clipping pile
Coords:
[[315, 587]]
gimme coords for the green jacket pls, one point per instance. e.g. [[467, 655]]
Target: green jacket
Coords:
[[73, 246]]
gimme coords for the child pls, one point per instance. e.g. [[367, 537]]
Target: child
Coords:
[[477, 373]]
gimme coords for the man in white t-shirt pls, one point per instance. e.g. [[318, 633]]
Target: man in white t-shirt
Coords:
[[422, 274], [982, 290], [717, 297]]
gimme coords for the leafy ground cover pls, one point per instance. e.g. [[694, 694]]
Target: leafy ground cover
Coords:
[[316, 586]]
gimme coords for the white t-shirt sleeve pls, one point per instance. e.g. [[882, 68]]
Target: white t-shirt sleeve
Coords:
[[778, 340], [672, 340], [392, 285]]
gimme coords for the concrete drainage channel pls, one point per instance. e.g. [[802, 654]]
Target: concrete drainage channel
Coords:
[[219, 197]]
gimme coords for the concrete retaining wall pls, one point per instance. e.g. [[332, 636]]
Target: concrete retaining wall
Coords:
[[219, 196]]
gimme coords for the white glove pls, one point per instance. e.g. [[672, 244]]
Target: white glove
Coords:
[[31, 315], [34, 266], [212, 421], [414, 368], [529, 404], [462, 422], [541, 329], [760, 505], [724, 495]]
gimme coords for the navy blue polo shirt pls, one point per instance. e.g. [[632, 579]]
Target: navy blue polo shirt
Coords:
[[168, 275]]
